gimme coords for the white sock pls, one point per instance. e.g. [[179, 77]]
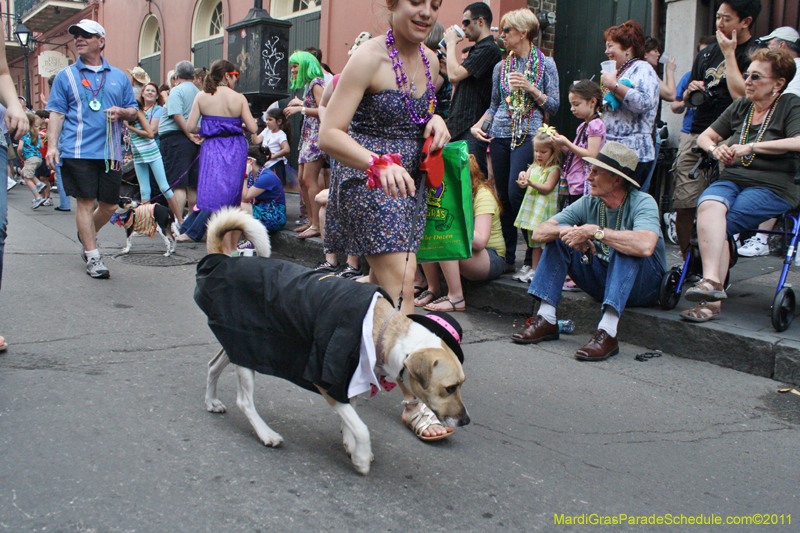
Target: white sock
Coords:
[[92, 253], [548, 312], [609, 321], [761, 238]]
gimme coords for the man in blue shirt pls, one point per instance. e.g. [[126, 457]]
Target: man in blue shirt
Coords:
[[88, 102], [179, 148]]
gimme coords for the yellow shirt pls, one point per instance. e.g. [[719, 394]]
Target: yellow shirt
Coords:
[[484, 203]]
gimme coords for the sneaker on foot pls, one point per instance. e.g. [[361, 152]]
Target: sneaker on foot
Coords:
[[753, 247], [54, 188], [325, 266], [246, 248], [527, 276], [521, 272], [40, 187], [349, 272], [47, 202], [37, 202], [11, 184], [96, 268]]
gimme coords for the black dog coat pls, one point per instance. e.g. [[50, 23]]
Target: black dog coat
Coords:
[[281, 319]]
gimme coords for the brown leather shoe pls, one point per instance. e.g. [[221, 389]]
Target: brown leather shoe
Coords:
[[538, 330], [601, 347]]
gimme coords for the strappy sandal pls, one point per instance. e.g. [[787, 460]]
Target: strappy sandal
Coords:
[[422, 295], [312, 231], [301, 229], [696, 313], [444, 299], [422, 420], [701, 292], [418, 290]]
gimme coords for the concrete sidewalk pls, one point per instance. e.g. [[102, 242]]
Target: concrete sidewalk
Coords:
[[741, 338]]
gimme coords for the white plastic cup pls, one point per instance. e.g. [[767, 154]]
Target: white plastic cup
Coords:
[[608, 66], [459, 32]]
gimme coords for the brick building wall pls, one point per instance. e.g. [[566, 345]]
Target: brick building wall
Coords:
[[547, 39]]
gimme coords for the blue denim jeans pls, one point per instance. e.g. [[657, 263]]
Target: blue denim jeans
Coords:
[[63, 197], [627, 280], [195, 224], [507, 163], [747, 206]]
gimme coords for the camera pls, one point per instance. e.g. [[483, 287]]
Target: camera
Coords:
[[487, 125], [697, 98]]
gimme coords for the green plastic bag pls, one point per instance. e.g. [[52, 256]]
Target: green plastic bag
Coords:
[[450, 226]]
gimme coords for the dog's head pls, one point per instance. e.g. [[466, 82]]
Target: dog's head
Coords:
[[126, 204], [435, 376]]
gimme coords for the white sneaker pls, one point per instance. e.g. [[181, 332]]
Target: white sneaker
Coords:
[[669, 221], [37, 202], [753, 247], [527, 276], [96, 268], [11, 184], [521, 272], [47, 202]]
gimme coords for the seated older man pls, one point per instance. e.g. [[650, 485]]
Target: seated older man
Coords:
[[609, 243]]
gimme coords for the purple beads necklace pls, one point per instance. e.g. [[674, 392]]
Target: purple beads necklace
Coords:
[[406, 88]]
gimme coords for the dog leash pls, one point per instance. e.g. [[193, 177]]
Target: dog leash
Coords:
[[417, 208], [177, 180]]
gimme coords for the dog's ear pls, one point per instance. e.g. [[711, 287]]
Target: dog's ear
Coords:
[[420, 368]]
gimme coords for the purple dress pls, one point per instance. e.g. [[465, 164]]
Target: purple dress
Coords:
[[223, 163]]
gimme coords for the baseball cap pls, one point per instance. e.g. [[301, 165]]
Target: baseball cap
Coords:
[[89, 26], [786, 33]]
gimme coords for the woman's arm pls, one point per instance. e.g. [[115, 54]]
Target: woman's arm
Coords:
[[776, 147], [310, 111], [666, 88], [155, 120], [708, 141], [551, 87], [549, 184], [146, 131], [483, 230], [252, 192], [247, 116], [194, 115]]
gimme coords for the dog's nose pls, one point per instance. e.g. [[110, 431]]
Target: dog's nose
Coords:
[[463, 420]]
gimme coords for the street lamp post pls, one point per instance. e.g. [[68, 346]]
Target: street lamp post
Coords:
[[23, 35]]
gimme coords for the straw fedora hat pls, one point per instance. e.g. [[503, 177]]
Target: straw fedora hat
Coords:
[[617, 158], [139, 75]]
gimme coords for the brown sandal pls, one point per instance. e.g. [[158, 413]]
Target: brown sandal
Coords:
[[697, 313], [422, 295], [451, 303], [702, 293]]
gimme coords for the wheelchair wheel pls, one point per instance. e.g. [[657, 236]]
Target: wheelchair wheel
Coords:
[[783, 309], [668, 296]]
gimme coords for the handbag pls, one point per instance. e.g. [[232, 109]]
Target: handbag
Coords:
[[449, 225]]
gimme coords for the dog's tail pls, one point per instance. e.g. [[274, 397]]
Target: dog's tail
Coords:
[[231, 219]]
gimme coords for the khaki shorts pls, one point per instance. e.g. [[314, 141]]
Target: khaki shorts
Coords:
[[686, 191]]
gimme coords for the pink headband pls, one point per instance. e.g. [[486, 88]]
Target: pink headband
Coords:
[[446, 325]]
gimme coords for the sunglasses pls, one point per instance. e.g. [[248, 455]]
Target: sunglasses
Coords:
[[467, 22], [755, 76], [506, 29], [84, 34], [234, 74]]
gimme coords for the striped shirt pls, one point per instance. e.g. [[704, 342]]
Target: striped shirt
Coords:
[[144, 150]]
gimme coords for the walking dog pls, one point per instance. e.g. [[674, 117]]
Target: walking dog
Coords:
[[145, 219], [281, 319]]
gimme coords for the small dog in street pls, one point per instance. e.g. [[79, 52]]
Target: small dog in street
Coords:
[[145, 219], [324, 333]]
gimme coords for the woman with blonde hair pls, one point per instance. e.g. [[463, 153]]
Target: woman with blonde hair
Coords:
[[524, 88]]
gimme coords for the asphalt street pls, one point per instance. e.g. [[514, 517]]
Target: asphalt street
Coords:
[[103, 426]]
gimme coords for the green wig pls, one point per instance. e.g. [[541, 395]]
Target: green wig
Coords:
[[308, 69]]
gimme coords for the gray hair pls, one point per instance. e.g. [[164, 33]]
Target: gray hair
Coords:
[[435, 35], [184, 70]]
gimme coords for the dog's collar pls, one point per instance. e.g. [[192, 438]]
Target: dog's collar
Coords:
[[379, 345]]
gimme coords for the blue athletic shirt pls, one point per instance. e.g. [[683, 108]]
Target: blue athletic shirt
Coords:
[[688, 117], [83, 135]]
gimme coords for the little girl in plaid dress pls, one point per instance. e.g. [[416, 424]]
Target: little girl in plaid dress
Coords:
[[541, 197]]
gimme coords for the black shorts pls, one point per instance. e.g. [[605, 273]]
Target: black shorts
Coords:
[[43, 171], [88, 179], [179, 154]]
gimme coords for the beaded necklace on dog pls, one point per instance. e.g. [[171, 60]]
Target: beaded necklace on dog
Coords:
[[407, 89], [746, 161], [620, 71], [518, 102], [605, 247]]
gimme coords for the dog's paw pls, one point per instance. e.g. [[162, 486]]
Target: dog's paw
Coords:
[[270, 438], [215, 406], [167, 254], [362, 459], [125, 250]]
